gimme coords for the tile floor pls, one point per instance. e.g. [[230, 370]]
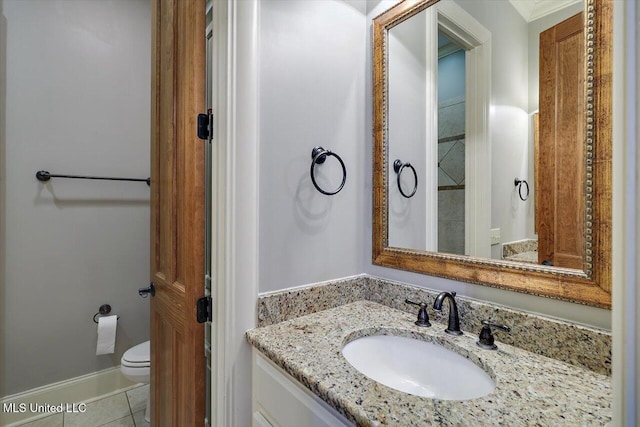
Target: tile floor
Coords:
[[124, 409]]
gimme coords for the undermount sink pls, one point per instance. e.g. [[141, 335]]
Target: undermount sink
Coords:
[[418, 367]]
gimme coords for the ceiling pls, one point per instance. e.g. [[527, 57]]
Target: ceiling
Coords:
[[536, 9]]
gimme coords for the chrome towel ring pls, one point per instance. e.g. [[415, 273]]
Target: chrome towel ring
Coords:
[[319, 155], [518, 183], [398, 166]]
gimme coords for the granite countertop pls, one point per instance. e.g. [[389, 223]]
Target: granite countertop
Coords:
[[530, 389], [530, 257]]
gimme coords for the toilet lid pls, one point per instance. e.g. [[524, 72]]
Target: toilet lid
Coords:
[[138, 354]]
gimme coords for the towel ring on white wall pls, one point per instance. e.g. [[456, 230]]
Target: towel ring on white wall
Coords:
[[398, 166], [319, 155], [518, 183]]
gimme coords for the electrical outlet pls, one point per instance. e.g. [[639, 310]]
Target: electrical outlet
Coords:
[[495, 236]]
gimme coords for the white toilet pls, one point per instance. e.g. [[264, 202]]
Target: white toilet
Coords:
[[136, 366]]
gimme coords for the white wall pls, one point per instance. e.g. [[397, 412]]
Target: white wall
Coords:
[[311, 90], [314, 90], [407, 125], [509, 119], [626, 223], [271, 279], [631, 317], [77, 102]]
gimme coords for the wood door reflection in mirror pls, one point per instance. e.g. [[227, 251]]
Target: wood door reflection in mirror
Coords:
[[560, 205]]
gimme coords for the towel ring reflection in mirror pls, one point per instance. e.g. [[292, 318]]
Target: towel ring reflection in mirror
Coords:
[[319, 155], [518, 183], [398, 167]]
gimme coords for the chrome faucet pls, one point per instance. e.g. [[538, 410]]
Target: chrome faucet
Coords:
[[454, 321]]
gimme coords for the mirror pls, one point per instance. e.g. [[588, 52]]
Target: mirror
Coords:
[[492, 144]]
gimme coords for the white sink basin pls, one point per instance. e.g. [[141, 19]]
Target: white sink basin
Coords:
[[418, 367]]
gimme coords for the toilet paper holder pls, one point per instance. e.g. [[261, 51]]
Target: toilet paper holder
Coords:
[[102, 311]]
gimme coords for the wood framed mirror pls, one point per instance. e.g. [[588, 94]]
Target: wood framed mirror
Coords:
[[563, 209]]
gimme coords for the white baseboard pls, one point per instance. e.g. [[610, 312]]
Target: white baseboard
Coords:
[[83, 389]]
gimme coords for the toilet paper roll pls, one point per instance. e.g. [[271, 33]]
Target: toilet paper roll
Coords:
[[106, 334]]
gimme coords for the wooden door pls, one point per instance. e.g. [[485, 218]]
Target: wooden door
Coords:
[[560, 209], [177, 212]]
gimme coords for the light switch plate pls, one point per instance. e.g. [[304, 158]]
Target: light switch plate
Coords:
[[495, 236]]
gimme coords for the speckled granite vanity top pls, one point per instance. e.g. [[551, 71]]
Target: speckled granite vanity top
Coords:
[[530, 389]]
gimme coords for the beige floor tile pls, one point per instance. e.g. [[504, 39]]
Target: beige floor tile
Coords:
[[138, 398], [50, 421], [138, 418], [122, 422], [100, 412]]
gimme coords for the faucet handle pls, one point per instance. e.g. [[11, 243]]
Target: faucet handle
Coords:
[[495, 325], [423, 317], [485, 340]]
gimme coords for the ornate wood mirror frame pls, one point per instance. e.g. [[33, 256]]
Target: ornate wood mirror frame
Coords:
[[591, 286]]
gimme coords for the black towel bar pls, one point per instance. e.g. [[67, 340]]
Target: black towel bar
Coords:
[[46, 176]]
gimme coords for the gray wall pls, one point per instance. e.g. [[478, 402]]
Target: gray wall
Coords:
[[3, 189], [311, 93], [77, 101]]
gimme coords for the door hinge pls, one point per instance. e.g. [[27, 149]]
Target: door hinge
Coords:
[[203, 309], [205, 125], [149, 290]]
